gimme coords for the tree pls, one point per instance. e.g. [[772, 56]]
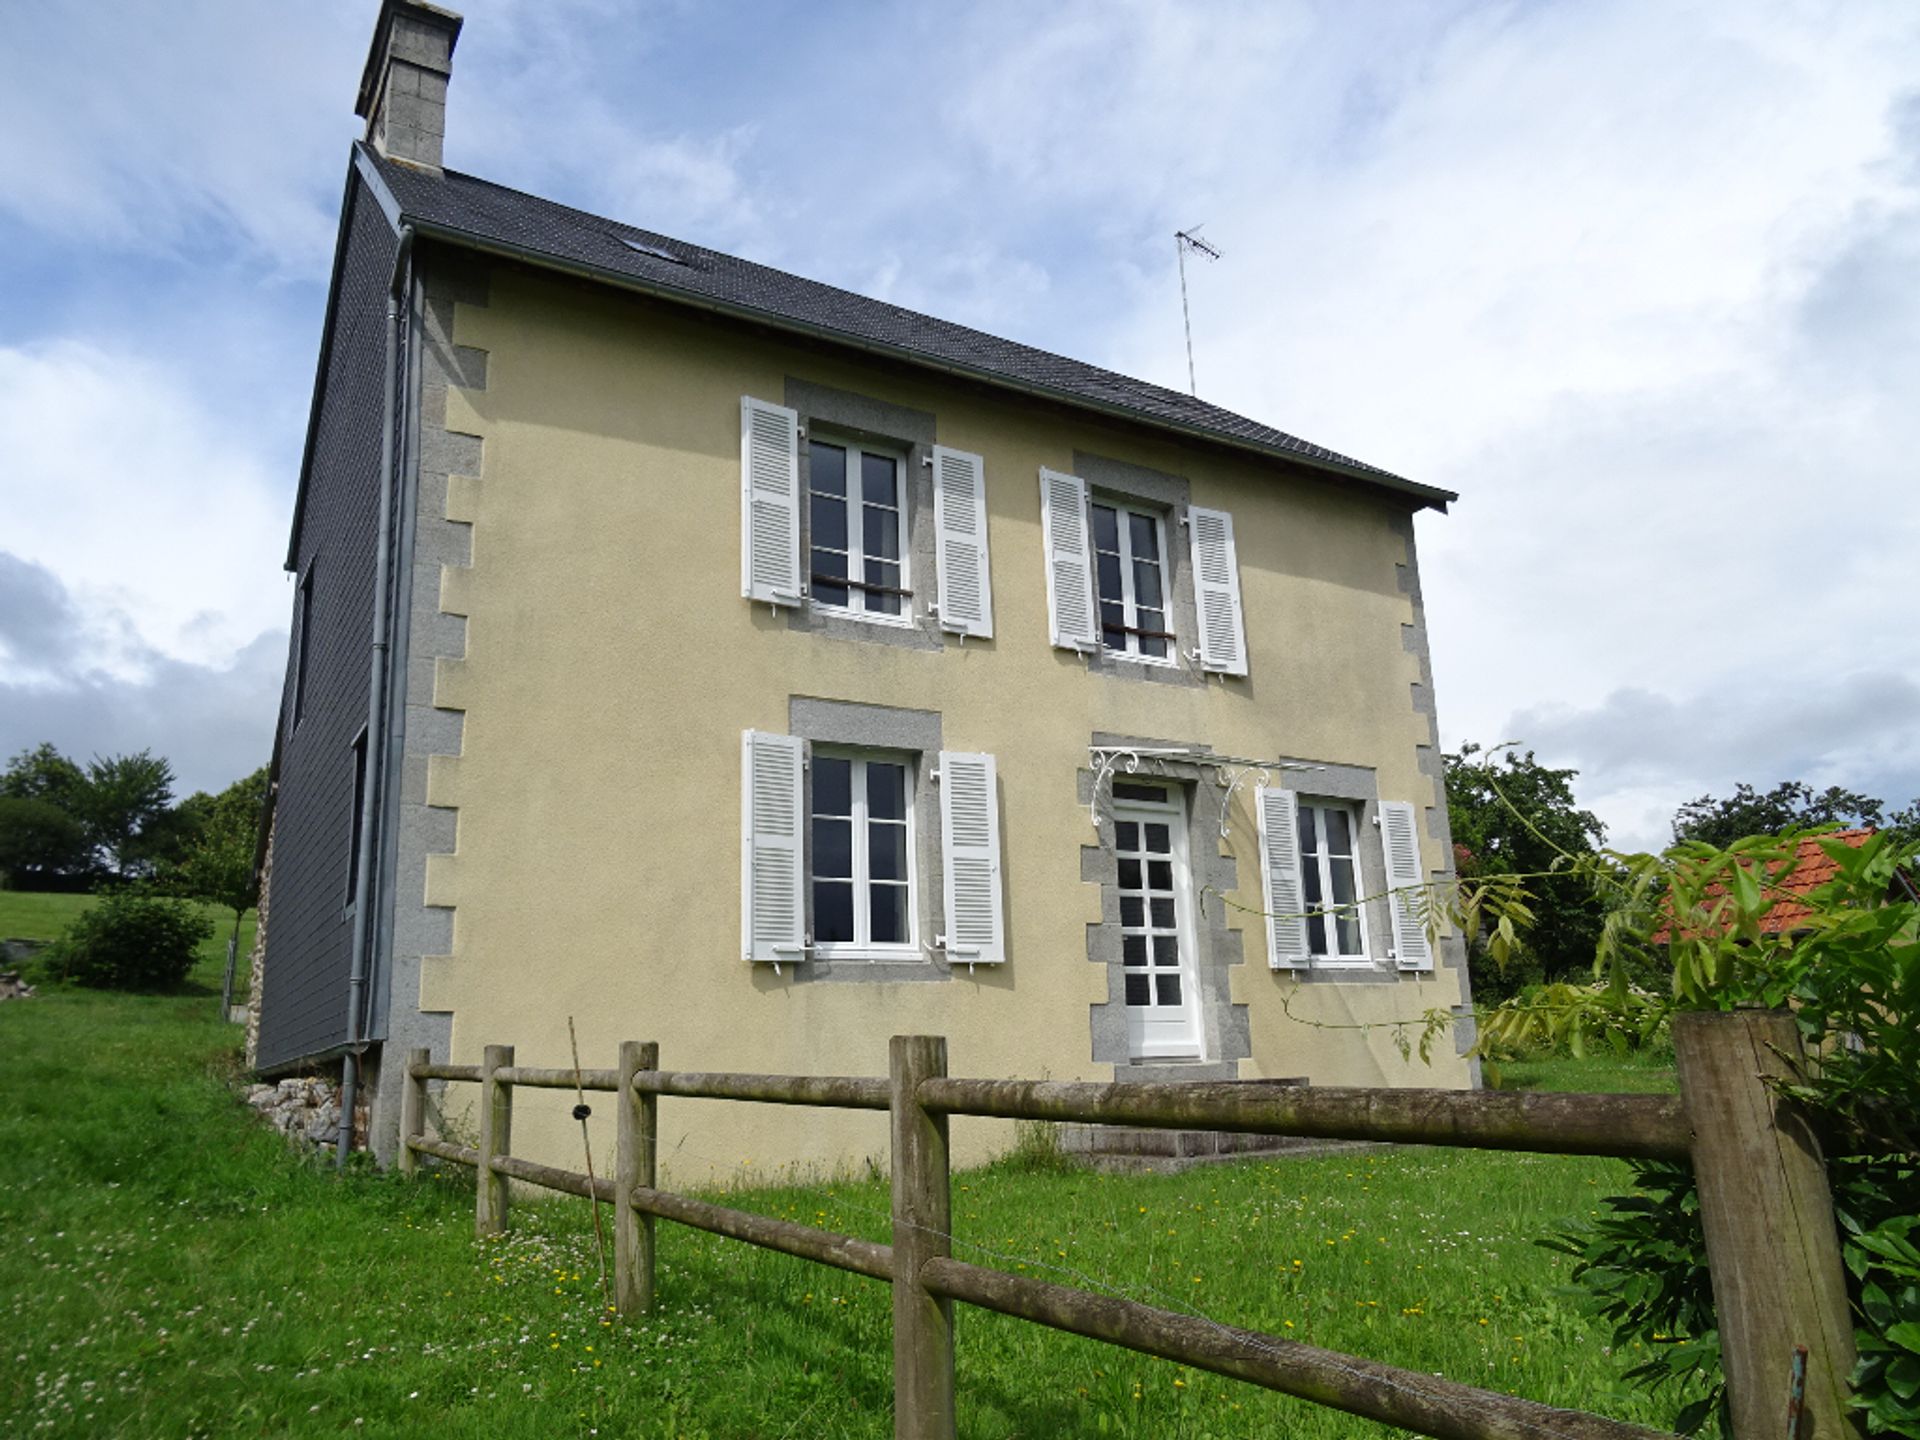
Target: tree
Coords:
[[1792, 804], [43, 773], [1511, 815], [40, 844], [125, 803], [218, 864]]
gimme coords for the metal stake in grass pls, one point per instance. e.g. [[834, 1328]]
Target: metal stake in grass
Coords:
[[581, 1110]]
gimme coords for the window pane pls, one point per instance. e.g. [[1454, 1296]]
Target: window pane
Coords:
[[1154, 646], [832, 786], [1107, 568], [1133, 949], [1316, 935], [877, 479], [880, 532], [1160, 874], [1163, 914], [1142, 531], [1309, 830], [879, 572], [1139, 991], [827, 468], [1146, 586], [887, 908], [1339, 832], [886, 790], [1167, 987], [1152, 619], [1126, 835], [1166, 951], [1341, 873], [887, 851], [1106, 529], [832, 911], [830, 594], [1133, 911], [1129, 874], [1159, 839], [833, 848], [829, 524], [1310, 882], [1347, 929]]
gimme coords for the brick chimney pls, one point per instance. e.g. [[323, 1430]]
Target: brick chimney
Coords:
[[403, 90]]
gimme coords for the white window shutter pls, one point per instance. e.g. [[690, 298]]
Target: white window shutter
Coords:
[[1279, 815], [769, 502], [1400, 832], [1069, 551], [960, 542], [1216, 592], [773, 908], [970, 842]]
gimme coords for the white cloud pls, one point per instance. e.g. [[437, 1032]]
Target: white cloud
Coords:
[[148, 507], [154, 127]]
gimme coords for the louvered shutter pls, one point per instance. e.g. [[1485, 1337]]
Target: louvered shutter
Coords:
[[1216, 587], [1399, 830], [970, 842], [960, 542], [1279, 814], [773, 910], [769, 502], [1069, 551]]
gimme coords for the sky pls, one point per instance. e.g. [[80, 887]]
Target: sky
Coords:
[[1638, 280]]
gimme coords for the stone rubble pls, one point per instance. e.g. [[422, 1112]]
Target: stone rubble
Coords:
[[306, 1110]]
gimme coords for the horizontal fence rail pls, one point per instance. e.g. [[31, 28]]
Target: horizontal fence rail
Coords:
[[927, 1280], [1652, 1127]]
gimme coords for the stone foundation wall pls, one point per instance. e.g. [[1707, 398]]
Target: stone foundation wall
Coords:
[[306, 1110]]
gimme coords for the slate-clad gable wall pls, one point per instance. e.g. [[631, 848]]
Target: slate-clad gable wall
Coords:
[[304, 999]]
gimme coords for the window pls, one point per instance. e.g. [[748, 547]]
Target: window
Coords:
[[305, 603], [861, 854], [858, 514], [359, 803], [1329, 871], [1156, 934], [1130, 567]]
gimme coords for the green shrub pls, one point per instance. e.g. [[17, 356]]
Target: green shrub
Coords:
[[129, 941]]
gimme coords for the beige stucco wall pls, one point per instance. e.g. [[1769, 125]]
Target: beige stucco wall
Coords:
[[612, 665]]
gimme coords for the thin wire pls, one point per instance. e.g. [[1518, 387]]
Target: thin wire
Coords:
[[586, 1141]]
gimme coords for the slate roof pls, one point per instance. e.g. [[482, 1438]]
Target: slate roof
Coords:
[[467, 210]]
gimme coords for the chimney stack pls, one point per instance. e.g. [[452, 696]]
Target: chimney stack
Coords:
[[403, 90]]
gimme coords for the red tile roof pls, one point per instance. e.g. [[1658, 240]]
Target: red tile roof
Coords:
[[1814, 869]]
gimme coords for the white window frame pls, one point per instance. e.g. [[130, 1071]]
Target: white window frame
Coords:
[[1130, 607], [860, 947], [856, 527], [1172, 811], [1310, 810]]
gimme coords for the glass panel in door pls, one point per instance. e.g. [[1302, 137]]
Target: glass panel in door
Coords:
[[1162, 1009]]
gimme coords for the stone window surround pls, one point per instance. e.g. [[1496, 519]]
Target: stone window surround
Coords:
[[1359, 786], [1217, 945], [884, 727], [896, 427], [1128, 483]]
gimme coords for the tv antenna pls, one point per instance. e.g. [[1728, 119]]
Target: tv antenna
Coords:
[[1183, 241]]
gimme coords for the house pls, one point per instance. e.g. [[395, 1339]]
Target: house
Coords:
[[713, 656]]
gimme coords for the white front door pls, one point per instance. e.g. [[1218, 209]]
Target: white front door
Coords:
[[1156, 927]]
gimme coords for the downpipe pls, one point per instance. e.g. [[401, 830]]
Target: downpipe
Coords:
[[376, 717]]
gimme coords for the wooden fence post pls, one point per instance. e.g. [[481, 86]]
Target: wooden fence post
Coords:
[[634, 1166], [496, 1138], [1767, 1214], [922, 1217], [413, 1110]]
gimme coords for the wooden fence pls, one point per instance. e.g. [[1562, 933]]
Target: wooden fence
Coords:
[[1765, 1208]]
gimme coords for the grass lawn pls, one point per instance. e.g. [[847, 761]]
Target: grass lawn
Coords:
[[1640, 1073], [170, 1269]]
